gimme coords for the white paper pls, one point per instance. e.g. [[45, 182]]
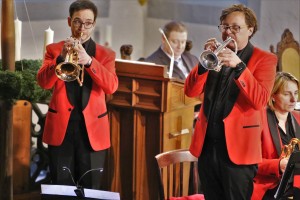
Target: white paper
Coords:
[[66, 190]]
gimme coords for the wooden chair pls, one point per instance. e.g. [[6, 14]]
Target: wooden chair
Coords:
[[174, 169], [288, 53]]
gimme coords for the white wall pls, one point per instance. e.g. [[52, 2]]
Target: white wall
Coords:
[[131, 26], [276, 15]]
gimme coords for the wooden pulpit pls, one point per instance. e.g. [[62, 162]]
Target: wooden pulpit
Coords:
[[149, 114]]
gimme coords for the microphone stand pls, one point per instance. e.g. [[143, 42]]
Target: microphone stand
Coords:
[[172, 56], [79, 191]]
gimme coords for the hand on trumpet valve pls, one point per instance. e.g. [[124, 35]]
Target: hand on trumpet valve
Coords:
[[211, 44], [228, 57], [282, 164], [68, 46], [83, 57]]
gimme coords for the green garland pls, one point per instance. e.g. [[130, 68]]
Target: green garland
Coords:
[[22, 84]]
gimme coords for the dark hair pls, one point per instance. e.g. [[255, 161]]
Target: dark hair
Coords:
[[174, 26], [82, 5], [250, 16]]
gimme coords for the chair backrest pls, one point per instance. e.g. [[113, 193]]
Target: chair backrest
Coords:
[[288, 52], [175, 168]]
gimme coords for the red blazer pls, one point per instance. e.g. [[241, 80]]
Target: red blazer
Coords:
[[104, 81], [268, 176], [243, 125]]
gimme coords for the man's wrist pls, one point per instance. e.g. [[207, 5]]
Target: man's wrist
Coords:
[[240, 66]]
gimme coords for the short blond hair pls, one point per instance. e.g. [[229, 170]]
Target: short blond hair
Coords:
[[281, 80]]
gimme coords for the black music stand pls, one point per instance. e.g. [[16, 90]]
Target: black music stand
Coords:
[[296, 189], [292, 169]]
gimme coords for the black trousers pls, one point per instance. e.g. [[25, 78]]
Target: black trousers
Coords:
[[222, 179], [76, 154]]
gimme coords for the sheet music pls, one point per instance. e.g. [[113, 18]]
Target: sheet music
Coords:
[[135, 62], [66, 190]]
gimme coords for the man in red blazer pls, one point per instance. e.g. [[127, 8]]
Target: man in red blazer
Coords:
[[77, 127], [281, 124], [227, 135]]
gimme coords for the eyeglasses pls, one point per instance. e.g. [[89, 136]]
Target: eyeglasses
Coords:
[[87, 25], [233, 29]]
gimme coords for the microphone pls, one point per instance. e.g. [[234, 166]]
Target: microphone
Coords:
[[172, 57], [79, 191]]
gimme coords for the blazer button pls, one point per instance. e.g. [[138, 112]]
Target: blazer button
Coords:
[[243, 84], [70, 109]]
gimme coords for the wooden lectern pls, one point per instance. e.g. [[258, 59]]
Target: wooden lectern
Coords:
[[149, 114]]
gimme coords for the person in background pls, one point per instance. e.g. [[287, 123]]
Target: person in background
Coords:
[[227, 134], [281, 124], [184, 61], [77, 127]]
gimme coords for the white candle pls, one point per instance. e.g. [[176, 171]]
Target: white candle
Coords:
[[48, 39], [18, 38], [108, 34]]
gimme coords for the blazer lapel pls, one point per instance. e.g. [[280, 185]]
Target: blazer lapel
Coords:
[[210, 90], [274, 130], [296, 126], [165, 60], [70, 91], [187, 61], [87, 83]]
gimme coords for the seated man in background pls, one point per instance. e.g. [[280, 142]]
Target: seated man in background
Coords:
[[281, 124], [176, 33]]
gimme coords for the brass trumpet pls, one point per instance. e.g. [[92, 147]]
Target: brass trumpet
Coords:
[[287, 150], [69, 70], [209, 59]]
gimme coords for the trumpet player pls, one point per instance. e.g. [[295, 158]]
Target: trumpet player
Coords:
[[227, 134], [281, 124], [77, 127]]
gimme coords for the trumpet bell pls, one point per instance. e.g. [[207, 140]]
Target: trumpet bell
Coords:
[[209, 60], [67, 71]]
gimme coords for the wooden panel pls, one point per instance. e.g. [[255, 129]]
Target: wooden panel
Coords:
[[148, 144], [140, 70], [177, 130], [121, 162], [21, 146], [123, 95], [35, 195], [147, 94], [144, 111], [176, 99]]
